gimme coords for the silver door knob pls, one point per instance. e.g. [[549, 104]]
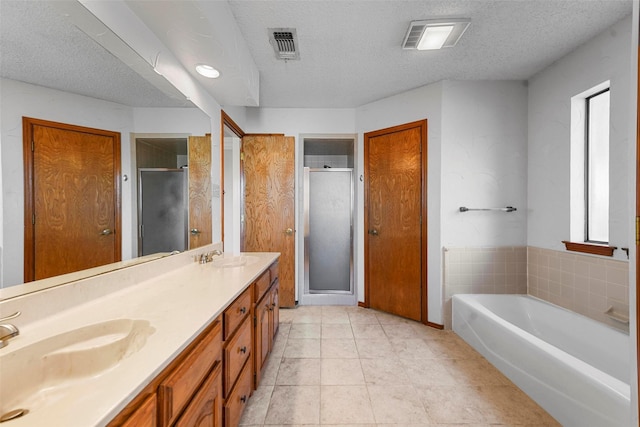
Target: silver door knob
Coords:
[[195, 231], [288, 231], [106, 232], [373, 232]]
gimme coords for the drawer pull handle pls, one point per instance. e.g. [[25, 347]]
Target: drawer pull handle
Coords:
[[243, 349], [243, 310], [243, 399]]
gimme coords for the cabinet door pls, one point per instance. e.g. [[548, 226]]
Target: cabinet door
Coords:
[[205, 410], [263, 337], [144, 416], [275, 309]]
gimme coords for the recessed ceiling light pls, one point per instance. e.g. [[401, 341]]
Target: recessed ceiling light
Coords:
[[434, 34], [207, 71]]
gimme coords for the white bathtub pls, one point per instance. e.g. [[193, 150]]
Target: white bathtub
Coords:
[[577, 369]]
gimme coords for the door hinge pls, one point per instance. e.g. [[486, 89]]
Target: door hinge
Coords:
[[241, 156], [637, 230]]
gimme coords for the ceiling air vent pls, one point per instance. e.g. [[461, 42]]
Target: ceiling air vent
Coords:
[[414, 33], [284, 42]]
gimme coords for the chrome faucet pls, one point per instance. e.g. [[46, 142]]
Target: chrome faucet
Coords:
[[7, 330], [206, 257]]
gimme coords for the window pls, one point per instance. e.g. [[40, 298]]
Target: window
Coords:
[[589, 195], [597, 167]]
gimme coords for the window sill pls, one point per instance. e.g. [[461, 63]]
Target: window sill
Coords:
[[590, 248]]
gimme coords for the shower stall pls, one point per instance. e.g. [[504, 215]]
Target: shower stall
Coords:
[[328, 236], [163, 210]]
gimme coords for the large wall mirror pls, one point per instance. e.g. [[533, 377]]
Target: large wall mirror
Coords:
[[58, 73]]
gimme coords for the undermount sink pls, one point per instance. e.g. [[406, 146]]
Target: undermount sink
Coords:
[[235, 261], [36, 371]]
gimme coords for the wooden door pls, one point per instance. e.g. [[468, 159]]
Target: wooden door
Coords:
[[200, 213], [72, 198], [268, 208], [395, 220]]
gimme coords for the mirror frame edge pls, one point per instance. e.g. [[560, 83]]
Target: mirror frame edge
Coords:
[[225, 120]]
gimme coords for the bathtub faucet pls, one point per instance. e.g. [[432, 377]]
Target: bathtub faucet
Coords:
[[7, 330]]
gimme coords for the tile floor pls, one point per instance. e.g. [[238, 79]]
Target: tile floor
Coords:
[[354, 366]]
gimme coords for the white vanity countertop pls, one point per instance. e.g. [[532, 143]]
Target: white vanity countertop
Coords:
[[178, 305]]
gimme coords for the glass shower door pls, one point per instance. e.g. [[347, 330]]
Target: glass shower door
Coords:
[[328, 231]]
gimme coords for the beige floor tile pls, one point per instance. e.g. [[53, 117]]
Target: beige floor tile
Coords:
[[375, 349], [413, 348], [390, 319], [256, 410], [476, 372], [302, 347], [335, 317], [305, 330], [452, 404], [511, 406], [336, 330], [399, 330], [345, 404], [294, 405], [270, 371], [299, 372], [363, 316], [428, 332], [368, 331], [394, 404], [339, 348], [450, 347], [384, 371], [341, 372], [286, 315], [428, 372]]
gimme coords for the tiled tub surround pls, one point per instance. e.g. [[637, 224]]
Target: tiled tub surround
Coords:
[[498, 270], [176, 296], [586, 284]]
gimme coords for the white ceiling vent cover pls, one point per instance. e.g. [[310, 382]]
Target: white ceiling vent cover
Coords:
[[417, 28], [284, 42]]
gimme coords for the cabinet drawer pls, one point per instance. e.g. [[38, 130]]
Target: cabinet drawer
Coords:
[[205, 410], [236, 312], [176, 390], [236, 352], [273, 271], [262, 284], [238, 399]]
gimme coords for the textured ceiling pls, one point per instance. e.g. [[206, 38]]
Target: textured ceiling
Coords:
[[350, 51], [39, 45]]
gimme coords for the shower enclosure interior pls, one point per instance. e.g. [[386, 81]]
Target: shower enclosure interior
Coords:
[[328, 222]]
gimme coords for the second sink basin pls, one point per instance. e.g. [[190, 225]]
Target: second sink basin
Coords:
[[235, 261], [57, 361]]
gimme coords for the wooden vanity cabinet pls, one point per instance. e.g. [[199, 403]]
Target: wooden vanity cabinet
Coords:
[[266, 319], [237, 357]]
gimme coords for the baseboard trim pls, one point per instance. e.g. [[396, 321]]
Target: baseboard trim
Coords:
[[434, 325]]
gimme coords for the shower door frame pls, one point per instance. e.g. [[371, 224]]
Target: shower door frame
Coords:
[[335, 297]]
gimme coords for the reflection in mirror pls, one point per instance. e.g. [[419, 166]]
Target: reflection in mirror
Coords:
[[232, 220], [41, 78]]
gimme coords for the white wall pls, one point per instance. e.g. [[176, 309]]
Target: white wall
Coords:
[[21, 99], [484, 163], [605, 57]]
